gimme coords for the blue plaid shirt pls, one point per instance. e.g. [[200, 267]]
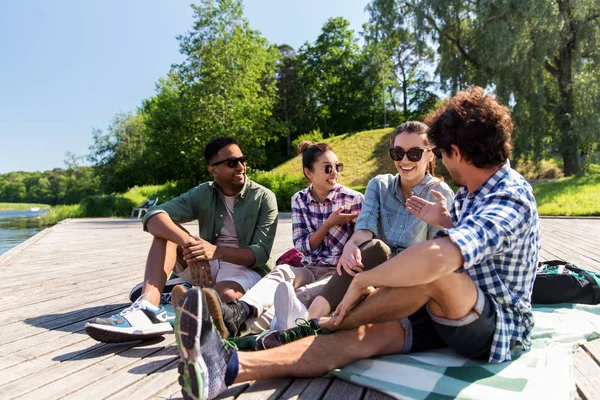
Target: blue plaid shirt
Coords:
[[498, 232], [384, 211]]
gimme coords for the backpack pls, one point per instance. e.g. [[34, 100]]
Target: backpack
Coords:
[[562, 282]]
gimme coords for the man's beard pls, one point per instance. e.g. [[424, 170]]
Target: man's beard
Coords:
[[456, 176]]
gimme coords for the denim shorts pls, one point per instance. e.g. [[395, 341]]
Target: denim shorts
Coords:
[[470, 336]]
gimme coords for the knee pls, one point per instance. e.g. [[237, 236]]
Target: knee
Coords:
[[375, 252]]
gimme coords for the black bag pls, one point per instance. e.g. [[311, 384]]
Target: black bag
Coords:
[[562, 282]]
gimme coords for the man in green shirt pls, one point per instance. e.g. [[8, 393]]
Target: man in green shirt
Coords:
[[237, 221]]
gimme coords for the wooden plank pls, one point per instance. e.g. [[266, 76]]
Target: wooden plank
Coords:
[[586, 373], [375, 395], [340, 389], [267, 389], [234, 391]]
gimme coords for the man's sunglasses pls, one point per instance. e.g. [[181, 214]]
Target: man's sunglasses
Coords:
[[232, 162], [339, 167], [413, 155], [438, 152]]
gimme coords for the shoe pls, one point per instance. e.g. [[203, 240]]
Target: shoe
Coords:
[[228, 317], [203, 372], [177, 294], [165, 297], [140, 321], [271, 339], [287, 307]]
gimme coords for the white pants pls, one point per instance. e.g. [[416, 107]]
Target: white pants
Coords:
[[308, 282], [223, 271]]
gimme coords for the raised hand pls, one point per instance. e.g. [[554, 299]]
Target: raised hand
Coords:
[[340, 217], [432, 213]]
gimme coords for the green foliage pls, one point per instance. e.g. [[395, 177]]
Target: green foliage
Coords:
[[59, 213], [284, 186], [540, 57], [58, 186], [106, 206], [313, 136], [22, 206]]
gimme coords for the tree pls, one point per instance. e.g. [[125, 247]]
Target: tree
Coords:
[[119, 154], [341, 90], [226, 86], [402, 59], [541, 56]]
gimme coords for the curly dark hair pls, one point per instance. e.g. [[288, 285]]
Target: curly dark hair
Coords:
[[477, 124], [215, 145]]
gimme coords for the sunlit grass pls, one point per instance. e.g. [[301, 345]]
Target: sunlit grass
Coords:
[[22, 206], [572, 196], [58, 213]]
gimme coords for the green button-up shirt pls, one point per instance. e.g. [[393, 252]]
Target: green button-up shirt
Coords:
[[254, 217]]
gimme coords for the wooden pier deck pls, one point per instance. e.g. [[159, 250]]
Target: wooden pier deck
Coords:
[[52, 284]]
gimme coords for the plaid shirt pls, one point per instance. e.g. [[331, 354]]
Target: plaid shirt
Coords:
[[384, 212], [498, 232], [308, 215]]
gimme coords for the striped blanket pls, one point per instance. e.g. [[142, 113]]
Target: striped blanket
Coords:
[[543, 372]]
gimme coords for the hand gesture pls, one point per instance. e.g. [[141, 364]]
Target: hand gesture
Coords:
[[197, 249], [200, 271], [432, 213], [351, 260], [340, 217]]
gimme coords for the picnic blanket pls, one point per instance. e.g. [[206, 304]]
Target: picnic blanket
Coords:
[[545, 371]]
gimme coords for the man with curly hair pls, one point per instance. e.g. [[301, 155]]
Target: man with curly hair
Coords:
[[469, 288]]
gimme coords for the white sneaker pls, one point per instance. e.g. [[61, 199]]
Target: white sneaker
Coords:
[[287, 307]]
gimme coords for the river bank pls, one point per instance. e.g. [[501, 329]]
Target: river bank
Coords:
[[16, 226]]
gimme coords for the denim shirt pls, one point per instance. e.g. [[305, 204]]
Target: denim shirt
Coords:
[[254, 216], [384, 211]]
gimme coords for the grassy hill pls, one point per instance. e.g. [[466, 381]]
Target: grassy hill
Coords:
[[364, 154]]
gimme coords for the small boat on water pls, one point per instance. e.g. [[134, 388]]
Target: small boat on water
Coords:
[[34, 209]]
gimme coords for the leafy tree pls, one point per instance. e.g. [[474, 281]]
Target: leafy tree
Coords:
[[120, 153], [540, 56], [226, 86], [401, 58]]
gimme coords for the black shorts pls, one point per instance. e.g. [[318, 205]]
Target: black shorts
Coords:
[[470, 336]]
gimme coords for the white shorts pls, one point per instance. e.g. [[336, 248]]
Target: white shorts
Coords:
[[223, 271]]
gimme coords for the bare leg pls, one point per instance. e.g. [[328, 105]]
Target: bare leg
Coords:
[[316, 355], [229, 290], [319, 308], [452, 296], [161, 261]]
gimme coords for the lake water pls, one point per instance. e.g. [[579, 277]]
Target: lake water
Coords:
[[17, 226]]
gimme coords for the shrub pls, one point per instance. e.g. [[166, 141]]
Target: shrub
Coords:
[[60, 212], [313, 136], [284, 186], [106, 206]]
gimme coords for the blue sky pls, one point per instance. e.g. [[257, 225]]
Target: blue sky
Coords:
[[68, 66]]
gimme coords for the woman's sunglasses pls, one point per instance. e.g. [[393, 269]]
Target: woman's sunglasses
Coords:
[[232, 162], [413, 155], [339, 167]]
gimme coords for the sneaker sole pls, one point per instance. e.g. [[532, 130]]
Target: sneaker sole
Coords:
[[176, 296], [111, 334], [214, 309], [193, 374]]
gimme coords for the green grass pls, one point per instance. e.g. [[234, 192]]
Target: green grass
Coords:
[[22, 206], [572, 196], [364, 154], [58, 213]]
